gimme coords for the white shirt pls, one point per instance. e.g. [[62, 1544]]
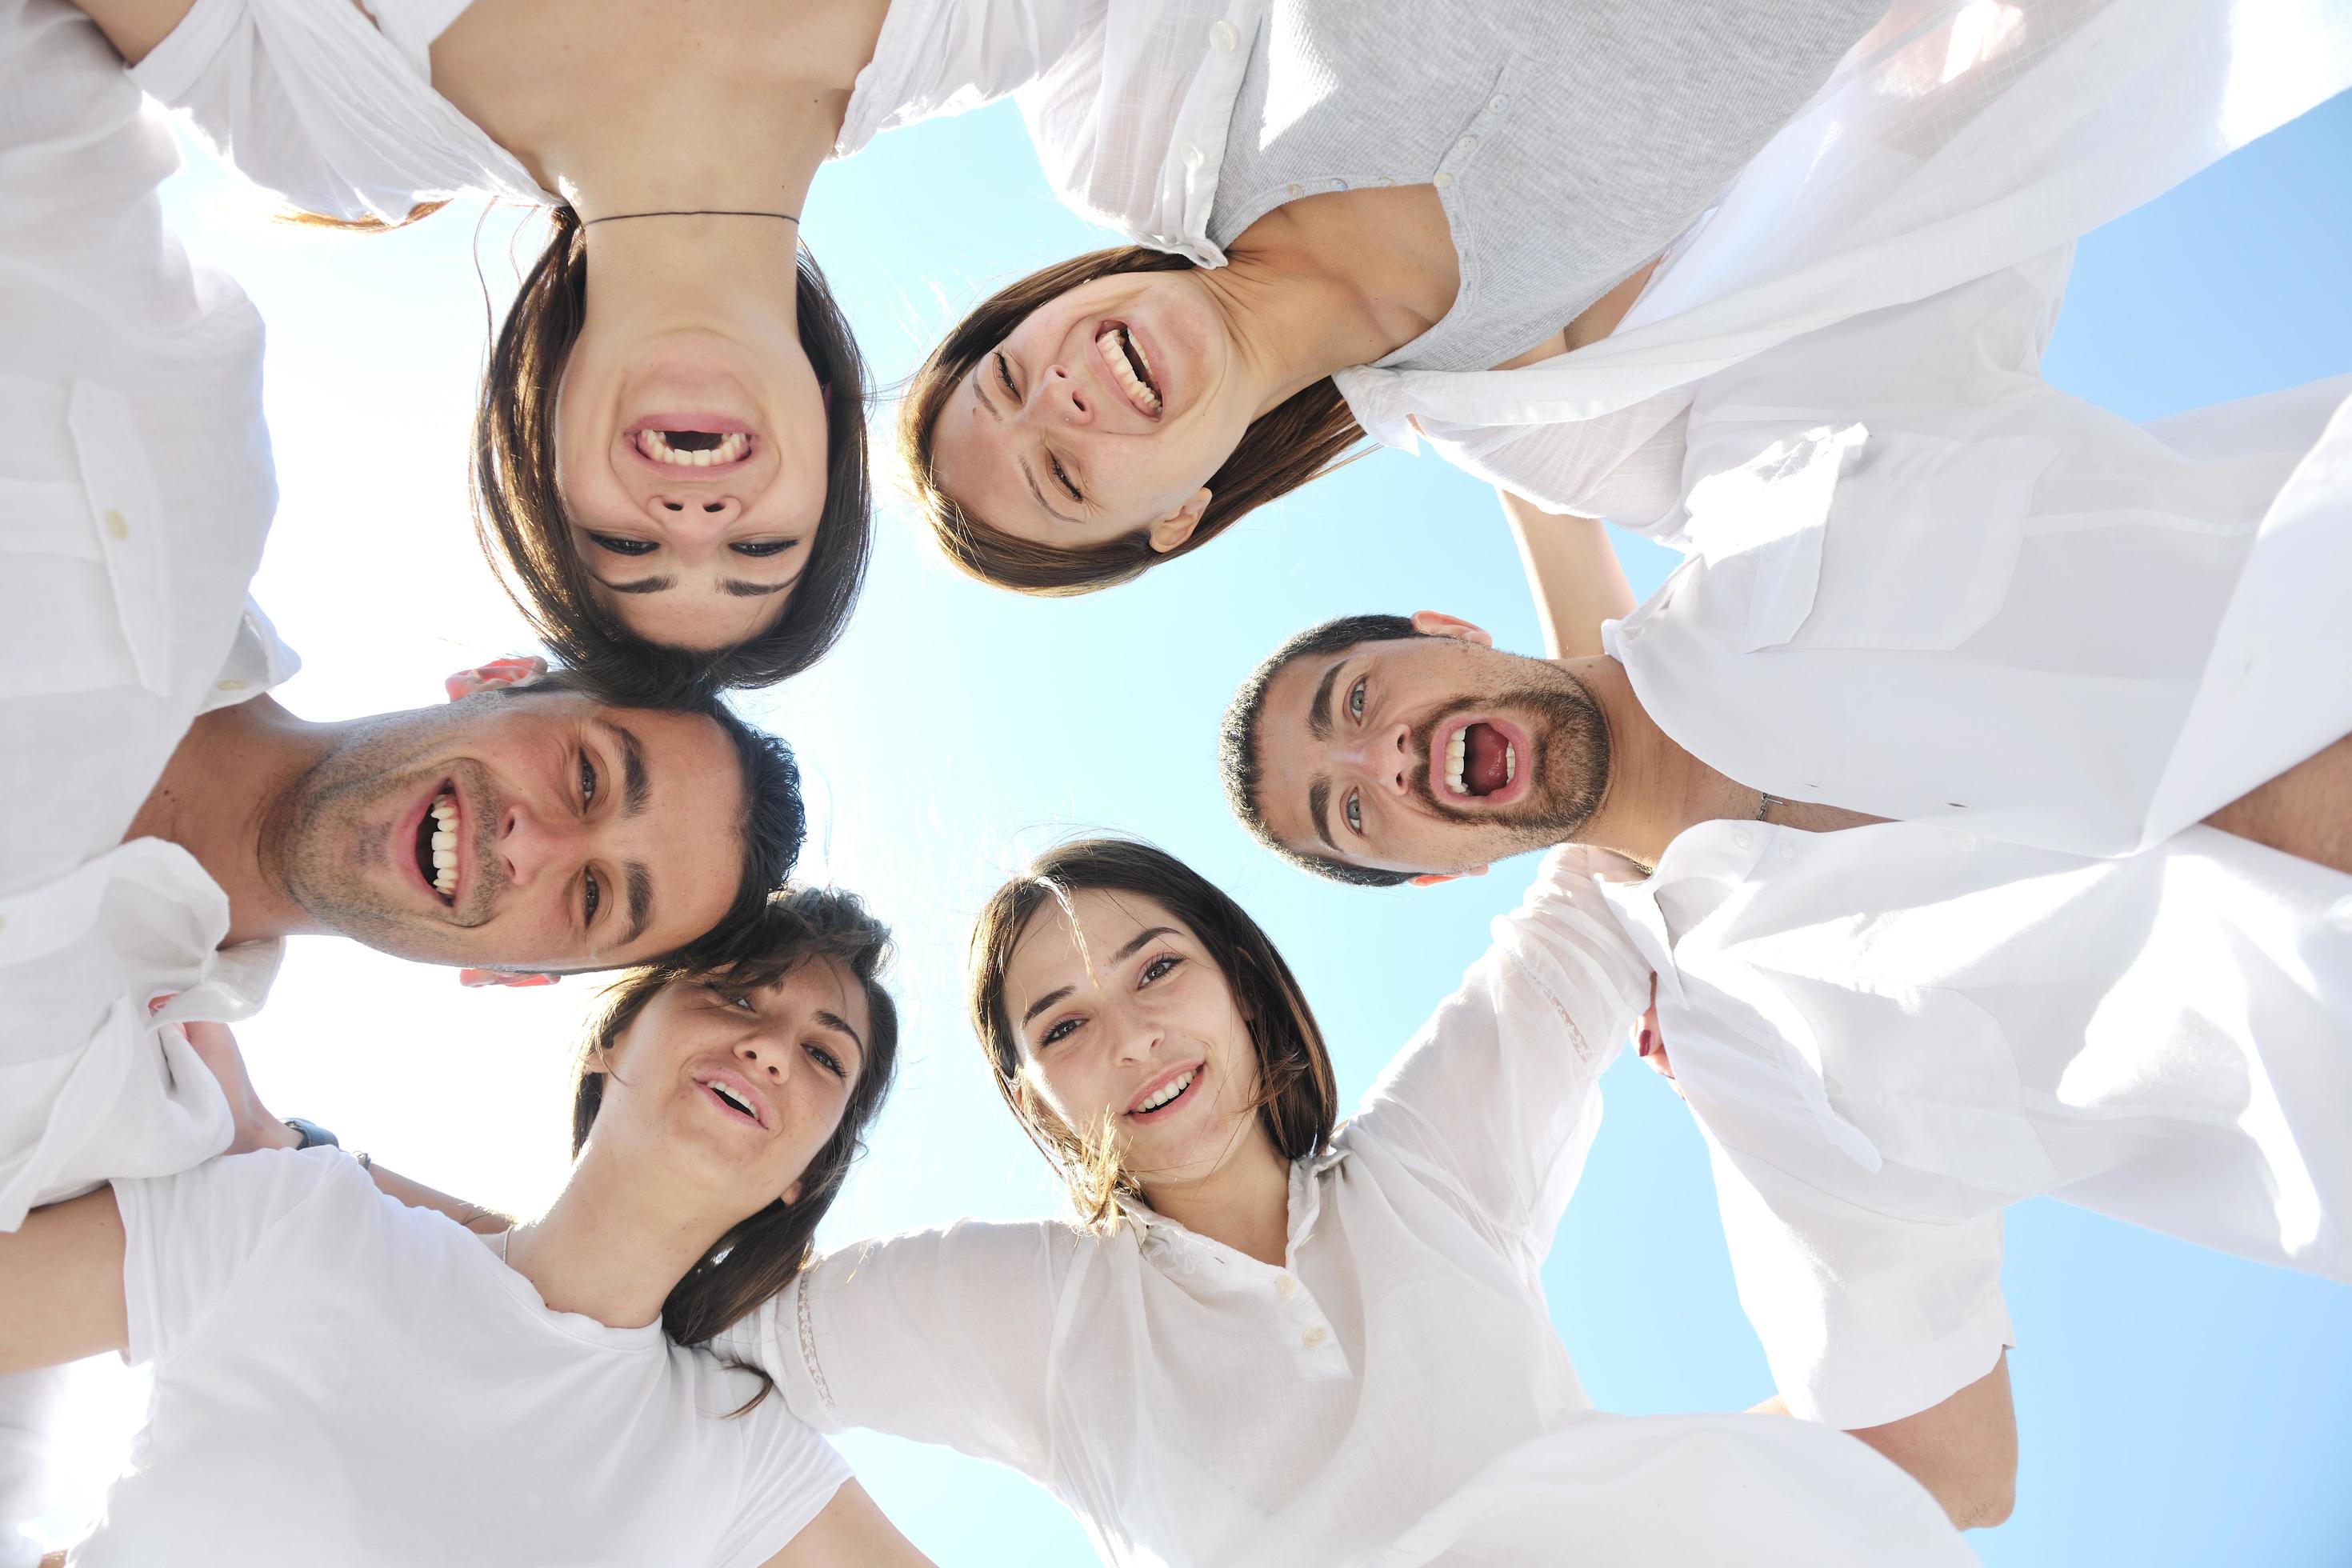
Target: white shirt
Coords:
[[384, 1391], [135, 490], [1965, 598], [1192, 1405], [1890, 1034], [1962, 137]]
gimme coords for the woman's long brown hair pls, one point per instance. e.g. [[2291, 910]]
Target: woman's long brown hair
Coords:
[[1303, 438]]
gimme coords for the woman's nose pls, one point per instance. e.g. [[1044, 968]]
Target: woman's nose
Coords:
[[763, 1055], [1058, 398]]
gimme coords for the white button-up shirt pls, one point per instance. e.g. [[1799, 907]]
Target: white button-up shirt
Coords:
[[1962, 137], [1194, 1405], [1965, 598], [1890, 1034], [135, 490]]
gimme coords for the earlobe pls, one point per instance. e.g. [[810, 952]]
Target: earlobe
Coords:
[[517, 670], [1438, 623], [791, 1195], [1174, 531], [474, 979]]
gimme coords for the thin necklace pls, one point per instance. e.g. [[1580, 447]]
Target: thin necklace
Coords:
[[692, 212], [504, 1236]]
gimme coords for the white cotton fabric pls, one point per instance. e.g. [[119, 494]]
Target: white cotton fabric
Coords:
[[1962, 137], [392, 1393], [1194, 1407], [1924, 585], [135, 490], [1890, 1034]]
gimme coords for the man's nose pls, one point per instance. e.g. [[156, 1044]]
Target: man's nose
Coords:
[[1056, 399], [530, 845], [1382, 757]]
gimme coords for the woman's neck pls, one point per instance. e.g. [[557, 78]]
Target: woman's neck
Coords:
[[613, 1243], [1329, 281], [1243, 1203]]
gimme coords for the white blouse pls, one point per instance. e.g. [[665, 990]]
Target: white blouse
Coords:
[[1195, 1406], [1890, 1034], [1967, 599], [1961, 137]]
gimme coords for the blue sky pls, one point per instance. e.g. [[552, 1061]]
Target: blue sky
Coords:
[[2175, 1406]]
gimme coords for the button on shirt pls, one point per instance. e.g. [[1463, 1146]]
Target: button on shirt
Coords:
[[1195, 1406], [1967, 598], [1935, 154], [1890, 1034], [135, 490]]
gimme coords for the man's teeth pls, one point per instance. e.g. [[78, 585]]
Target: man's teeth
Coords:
[[1168, 1093], [1129, 366], [1510, 763], [1456, 751], [655, 443], [733, 1098], [444, 845]]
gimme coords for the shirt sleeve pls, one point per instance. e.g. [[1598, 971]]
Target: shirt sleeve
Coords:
[[188, 1238], [308, 99], [790, 1477], [1865, 1317], [941, 1336], [1499, 1095]]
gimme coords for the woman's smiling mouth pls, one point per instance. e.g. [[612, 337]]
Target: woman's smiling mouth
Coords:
[[1123, 357], [1165, 1093]]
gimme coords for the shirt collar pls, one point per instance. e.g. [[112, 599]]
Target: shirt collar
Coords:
[[1305, 1204]]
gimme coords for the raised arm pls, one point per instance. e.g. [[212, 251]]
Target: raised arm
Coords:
[[851, 1532], [1964, 1450], [62, 1295], [135, 26], [1571, 571]]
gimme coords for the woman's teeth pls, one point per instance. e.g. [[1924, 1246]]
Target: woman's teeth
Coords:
[[1167, 1093], [733, 1098], [1129, 367], [444, 845], [689, 453]]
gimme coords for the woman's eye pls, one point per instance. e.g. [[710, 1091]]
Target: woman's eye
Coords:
[[1160, 966], [761, 548], [1005, 374], [620, 546], [1055, 464], [592, 899], [1355, 812], [1356, 700], [1058, 1032], [587, 781], [827, 1060]]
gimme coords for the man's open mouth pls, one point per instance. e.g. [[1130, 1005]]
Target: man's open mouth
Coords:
[[1129, 367], [436, 846], [694, 448], [1480, 760]]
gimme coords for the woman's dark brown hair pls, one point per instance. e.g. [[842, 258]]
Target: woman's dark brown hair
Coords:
[[1302, 439], [519, 503], [1297, 1098], [760, 1257]]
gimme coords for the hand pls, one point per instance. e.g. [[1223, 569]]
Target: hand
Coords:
[[1649, 1043], [255, 1127]]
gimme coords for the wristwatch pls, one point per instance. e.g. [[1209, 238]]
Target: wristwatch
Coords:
[[314, 1136]]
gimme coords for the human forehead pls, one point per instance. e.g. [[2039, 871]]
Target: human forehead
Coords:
[[1067, 943]]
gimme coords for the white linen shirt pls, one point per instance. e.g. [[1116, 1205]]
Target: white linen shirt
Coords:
[[1963, 597], [1962, 137], [1890, 1034], [135, 490], [1195, 1406]]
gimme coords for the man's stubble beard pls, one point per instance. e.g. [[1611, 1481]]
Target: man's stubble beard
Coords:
[[1571, 737]]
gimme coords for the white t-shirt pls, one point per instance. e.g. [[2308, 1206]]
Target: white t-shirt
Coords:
[[368, 1383]]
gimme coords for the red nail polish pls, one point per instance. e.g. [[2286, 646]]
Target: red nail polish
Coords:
[[1645, 1042]]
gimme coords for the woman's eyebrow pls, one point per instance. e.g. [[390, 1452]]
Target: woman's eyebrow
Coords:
[[642, 585], [747, 590]]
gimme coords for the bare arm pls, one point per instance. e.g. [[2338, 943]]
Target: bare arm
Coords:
[[1573, 573], [1964, 1451], [135, 26], [2305, 811], [851, 1532], [62, 1284]]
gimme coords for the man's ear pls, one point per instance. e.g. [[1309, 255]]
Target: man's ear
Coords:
[[1431, 879], [518, 671], [1436, 623], [474, 979], [1172, 532]]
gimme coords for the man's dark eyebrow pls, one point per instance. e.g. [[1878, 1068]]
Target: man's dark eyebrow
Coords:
[[835, 1021], [642, 585], [756, 590], [1128, 949], [1318, 710], [1319, 805], [637, 788], [641, 901]]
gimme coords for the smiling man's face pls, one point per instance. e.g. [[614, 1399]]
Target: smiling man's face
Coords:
[[1433, 755], [528, 830]]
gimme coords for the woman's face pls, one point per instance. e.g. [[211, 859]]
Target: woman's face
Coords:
[[745, 1086], [1126, 1022], [1103, 411], [693, 472]]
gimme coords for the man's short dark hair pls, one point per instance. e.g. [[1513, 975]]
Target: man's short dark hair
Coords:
[[1237, 738], [775, 818]]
